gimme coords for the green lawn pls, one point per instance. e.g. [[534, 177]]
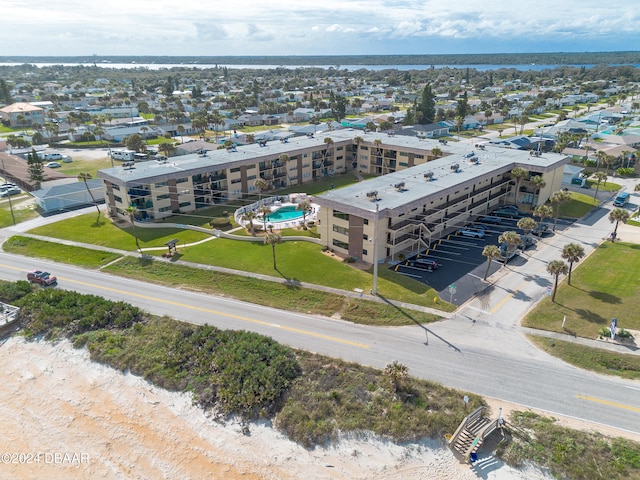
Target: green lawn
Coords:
[[604, 286], [80, 165], [296, 261], [58, 252], [580, 205], [22, 210], [604, 186], [590, 358], [84, 229], [305, 262]]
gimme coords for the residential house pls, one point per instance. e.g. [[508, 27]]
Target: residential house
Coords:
[[22, 114]]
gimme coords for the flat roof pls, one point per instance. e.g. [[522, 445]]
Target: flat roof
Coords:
[[491, 161], [392, 201]]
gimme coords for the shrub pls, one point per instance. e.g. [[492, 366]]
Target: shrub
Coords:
[[625, 172], [350, 260], [622, 333], [220, 222], [60, 313], [12, 291]]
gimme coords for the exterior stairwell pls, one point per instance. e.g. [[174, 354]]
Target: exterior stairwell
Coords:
[[471, 433]]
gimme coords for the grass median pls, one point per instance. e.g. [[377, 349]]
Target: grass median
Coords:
[[603, 286]]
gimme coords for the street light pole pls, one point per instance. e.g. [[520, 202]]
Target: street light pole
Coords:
[[375, 252]]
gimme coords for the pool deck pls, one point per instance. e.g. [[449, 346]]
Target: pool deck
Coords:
[[294, 222]]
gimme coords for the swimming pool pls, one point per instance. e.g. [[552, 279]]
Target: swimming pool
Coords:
[[285, 214]]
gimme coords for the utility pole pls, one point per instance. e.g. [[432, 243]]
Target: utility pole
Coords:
[[4, 174], [375, 252]]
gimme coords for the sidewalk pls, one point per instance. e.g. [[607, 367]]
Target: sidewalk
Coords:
[[612, 346]]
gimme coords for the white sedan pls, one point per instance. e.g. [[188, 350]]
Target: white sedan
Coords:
[[52, 164], [471, 232]]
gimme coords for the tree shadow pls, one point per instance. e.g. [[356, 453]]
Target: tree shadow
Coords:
[[426, 330], [590, 316], [605, 297], [290, 283]]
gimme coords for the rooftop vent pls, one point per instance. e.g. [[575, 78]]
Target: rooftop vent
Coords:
[[373, 194], [428, 176], [455, 167], [399, 186]]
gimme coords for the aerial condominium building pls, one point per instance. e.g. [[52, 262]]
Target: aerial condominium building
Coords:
[[422, 189]]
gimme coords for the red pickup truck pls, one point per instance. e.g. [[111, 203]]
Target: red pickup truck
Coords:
[[41, 278]]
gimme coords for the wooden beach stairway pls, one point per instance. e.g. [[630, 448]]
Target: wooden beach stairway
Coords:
[[472, 432]]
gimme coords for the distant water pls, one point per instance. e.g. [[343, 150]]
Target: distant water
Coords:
[[158, 66]]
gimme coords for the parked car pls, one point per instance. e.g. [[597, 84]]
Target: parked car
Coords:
[[471, 232], [67, 159], [507, 212], [7, 192], [490, 219], [41, 278], [425, 263], [526, 242], [52, 164], [504, 248], [509, 205], [540, 230]]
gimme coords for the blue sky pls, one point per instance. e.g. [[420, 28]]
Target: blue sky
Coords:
[[328, 27]]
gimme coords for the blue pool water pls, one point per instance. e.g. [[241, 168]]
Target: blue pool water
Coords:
[[284, 214]]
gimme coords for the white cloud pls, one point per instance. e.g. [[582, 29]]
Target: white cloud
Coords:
[[250, 27]]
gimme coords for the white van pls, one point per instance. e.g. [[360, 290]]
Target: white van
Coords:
[[49, 156], [123, 154]]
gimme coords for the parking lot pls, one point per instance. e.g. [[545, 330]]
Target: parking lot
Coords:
[[460, 261]]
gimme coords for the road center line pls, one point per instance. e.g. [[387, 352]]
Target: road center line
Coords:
[[215, 312], [608, 402], [228, 315]]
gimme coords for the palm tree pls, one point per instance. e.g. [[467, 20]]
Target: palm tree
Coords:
[[609, 161], [261, 184], [572, 253], [459, 124], [527, 224], [166, 148], [543, 211], [538, 183], [132, 211], [558, 198], [180, 131], [329, 143], [144, 131], [83, 177], [249, 216], [305, 206], [491, 252], [436, 152], [600, 176], [512, 239], [273, 239], [377, 143], [600, 155], [396, 372], [618, 215], [518, 173], [99, 131], [556, 268], [264, 210]]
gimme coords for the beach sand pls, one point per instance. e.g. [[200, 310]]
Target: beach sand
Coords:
[[65, 417]]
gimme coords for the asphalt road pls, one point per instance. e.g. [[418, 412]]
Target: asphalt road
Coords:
[[476, 350]]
